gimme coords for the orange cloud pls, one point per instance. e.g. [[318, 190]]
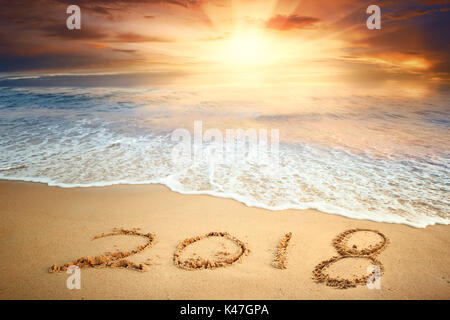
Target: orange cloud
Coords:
[[293, 21]]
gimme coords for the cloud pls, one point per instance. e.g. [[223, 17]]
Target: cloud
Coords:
[[411, 13], [124, 50], [109, 6], [60, 31], [409, 45], [293, 21], [135, 37], [433, 2]]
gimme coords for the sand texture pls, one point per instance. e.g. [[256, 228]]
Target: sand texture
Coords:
[[146, 242]]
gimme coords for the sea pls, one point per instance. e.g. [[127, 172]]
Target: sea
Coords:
[[381, 154]]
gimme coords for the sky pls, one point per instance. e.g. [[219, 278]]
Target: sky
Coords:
[[212, 41]]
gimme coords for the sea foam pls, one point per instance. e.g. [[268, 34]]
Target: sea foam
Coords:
[[99, 137]]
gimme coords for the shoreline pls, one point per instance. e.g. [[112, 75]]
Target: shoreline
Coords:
[[216, 195], [43, 225]]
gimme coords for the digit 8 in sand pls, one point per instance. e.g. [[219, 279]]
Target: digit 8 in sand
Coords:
[[340, 243]]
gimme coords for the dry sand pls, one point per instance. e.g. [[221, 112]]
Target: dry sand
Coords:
[[42, 226]]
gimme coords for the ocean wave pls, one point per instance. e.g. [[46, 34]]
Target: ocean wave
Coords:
[[13, 168], [111, 143]]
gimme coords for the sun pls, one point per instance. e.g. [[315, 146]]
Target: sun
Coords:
[[247, 50]]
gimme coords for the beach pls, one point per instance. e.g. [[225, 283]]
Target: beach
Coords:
[[43, 225], [225, 150]]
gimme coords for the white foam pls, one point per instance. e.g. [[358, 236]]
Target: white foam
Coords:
[[86, 147]]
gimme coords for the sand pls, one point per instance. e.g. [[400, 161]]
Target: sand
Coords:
[[234, 246]]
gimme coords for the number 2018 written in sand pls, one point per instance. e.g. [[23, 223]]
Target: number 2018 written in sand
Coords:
[[223, 258]]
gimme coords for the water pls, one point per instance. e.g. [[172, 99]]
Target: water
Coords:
[[377, 156]]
